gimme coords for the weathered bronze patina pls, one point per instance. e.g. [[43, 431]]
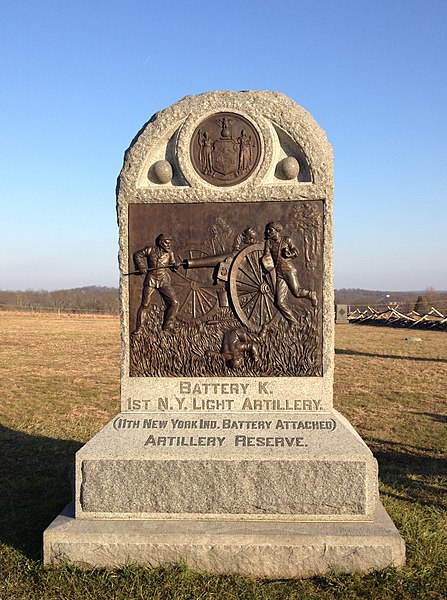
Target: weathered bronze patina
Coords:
[[238, 286], [225, 149], [154, 262]]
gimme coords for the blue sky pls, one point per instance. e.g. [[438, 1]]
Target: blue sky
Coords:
[[79, 79]]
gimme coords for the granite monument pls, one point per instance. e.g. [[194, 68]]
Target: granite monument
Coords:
[[227, 454]]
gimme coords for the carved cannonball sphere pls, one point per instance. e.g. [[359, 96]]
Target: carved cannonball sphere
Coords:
[[162, 171], [289, 167]]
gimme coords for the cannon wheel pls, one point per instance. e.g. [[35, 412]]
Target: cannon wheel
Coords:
[[252, 288], [198, 300]]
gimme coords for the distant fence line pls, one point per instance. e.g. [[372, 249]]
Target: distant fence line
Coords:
[[371, 315], [392, 316], [52, 309]]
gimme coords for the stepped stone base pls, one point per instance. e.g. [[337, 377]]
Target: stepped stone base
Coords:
[[272, 550], [271, 496], [274, 466]]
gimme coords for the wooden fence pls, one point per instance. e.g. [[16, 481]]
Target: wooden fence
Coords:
[[391, 316]]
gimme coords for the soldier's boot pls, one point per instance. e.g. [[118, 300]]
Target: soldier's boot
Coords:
[[141, 319], [170, 314]]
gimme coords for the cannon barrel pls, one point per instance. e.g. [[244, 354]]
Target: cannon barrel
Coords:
[[205, 261]]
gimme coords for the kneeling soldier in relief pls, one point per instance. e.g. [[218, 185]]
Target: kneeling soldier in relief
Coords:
[[237, 342]]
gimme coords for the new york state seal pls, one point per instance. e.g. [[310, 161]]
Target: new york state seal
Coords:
[[225, 149]]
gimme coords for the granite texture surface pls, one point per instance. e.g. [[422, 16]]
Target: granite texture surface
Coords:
[[255, 476], [310, 467], [279, 550], [286, 130]]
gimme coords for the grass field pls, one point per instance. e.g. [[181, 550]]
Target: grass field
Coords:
[[60, 385]]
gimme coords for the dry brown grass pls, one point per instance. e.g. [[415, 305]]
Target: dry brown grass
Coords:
[[393, 389], [60, 374], [60, 377], [60, 385]]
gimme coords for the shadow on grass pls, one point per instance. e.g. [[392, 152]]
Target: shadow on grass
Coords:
[[434, 417], [415, 477], [34, 486], [392, 356]]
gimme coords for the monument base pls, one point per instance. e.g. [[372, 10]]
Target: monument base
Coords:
[[269, 466], [272, 550]]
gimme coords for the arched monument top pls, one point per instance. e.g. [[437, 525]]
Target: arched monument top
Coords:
[[285, 148]]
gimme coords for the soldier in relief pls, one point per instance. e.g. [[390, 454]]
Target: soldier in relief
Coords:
[[155, 262], [279, 252]]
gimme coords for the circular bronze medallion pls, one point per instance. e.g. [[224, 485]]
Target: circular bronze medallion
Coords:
[[225, 149]]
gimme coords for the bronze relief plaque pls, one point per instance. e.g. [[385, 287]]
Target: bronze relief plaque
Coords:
[[226, 289], [225, 149]]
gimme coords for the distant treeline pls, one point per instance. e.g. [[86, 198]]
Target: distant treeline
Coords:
[[421, 301], [95, 299], [106, 299]]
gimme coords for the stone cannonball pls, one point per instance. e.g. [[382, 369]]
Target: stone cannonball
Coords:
[[288, 168], [162, 171]]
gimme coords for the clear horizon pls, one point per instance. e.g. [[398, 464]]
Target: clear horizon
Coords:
[[116, 287], [80, 80]]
